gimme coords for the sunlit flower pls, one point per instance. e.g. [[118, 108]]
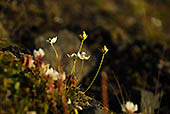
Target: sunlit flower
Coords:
[[74, 55], [104, 49], [83, 36], [129, 107], [39, 53], [83, 56], [31, 112], [53, 40], [53, 73], [69, 101]]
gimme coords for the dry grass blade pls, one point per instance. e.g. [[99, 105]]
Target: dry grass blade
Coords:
[[104, 92]]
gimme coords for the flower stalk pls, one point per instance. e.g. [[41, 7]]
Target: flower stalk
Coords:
[[83, 37], [56, 54], [81, 69], [52, 41], [104, 50]]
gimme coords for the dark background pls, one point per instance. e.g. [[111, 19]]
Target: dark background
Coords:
[[135, 31]]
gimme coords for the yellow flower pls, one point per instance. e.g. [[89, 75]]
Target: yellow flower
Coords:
[[83, 36], [104, 49]]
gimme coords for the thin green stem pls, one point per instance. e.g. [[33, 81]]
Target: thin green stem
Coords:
[[81, 69], [74, 67], [75, 61], [54, 50], [81, 45], [96, 74]]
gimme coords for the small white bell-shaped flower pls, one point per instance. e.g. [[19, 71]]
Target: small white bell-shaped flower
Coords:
[[83, 56], [129, 107]]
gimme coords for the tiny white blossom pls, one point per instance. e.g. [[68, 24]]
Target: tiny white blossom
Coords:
[[53, 73], [72, 55], [83, 56], [31, 112], [129, 107], [40, 52], [53, 40], [69, 101]]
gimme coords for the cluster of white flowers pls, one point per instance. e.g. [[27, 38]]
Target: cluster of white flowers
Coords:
[[39, 53], [129, 107], [49, 71], [82, 55], [53, 73]]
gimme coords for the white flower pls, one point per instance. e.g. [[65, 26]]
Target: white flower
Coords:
[[83, 56], [53, 40], [129, 107], [31, 112], [40, 52], [74, 55], [69, 101], [53, 73]]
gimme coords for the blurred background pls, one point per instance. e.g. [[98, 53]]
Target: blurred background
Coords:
[[135, 31]]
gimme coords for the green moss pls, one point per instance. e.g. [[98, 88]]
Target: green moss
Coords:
[[23, 89]]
